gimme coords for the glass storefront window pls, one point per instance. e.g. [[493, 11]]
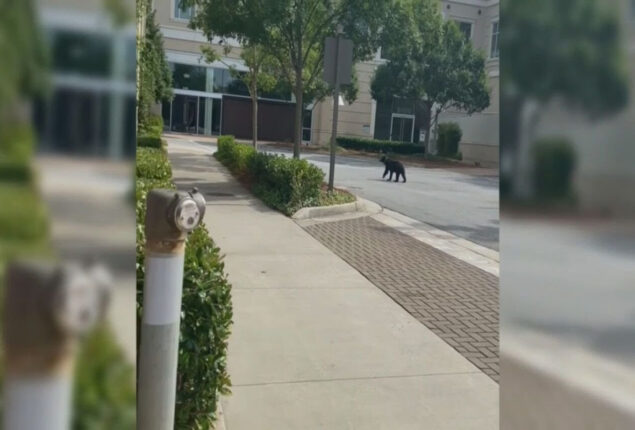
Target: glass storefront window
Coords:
[[86, 54], [189, 77]]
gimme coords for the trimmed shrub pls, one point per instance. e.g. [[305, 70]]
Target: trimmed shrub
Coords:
[[387, 146], [153, 126], [554, 162], [15, 171], [285, 184], [17, 143], [450, 135], [23, 216], [206, 320], [206, 311], [150, 142], [105, 394], [152, 163]]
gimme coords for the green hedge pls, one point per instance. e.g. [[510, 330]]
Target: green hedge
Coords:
[[15, 171], [206, 311], [554, 162], [23, 216], [285, 184], [387, 146], [152, 127], [17, 143], [450, 135], [152, 163], [150, 142]]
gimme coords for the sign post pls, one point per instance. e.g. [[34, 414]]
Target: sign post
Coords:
[[338, 65]]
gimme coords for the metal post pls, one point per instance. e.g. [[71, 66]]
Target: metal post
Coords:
[[47, 308], [170, 216], [336, 105]]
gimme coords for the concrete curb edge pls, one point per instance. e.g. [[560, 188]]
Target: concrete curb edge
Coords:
[[360, 205]]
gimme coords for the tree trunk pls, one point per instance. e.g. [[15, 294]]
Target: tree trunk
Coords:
[[436, 127], [426, 124], [530, 115], [254, 116], [298, 113]]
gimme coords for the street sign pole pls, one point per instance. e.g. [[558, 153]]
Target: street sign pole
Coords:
[[338, 66], [336, 105]]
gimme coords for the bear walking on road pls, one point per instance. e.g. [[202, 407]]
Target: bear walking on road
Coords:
[[393, 166]]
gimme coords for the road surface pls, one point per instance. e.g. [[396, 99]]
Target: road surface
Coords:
[[462, 204]]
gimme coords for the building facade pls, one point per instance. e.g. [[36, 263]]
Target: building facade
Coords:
[[90, 106], [204, 92]]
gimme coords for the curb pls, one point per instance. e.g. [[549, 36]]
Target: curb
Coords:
[[361, 205]]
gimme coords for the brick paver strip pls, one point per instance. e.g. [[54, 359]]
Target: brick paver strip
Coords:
[[454, 299]]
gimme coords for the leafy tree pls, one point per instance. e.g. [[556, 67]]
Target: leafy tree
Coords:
[[431, 63], [260, 75], [567, 50], [294, 32], [154, 82], [24, 58]]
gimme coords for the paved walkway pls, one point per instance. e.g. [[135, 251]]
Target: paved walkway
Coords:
[[454, 299], [91, 217], [315, 344]]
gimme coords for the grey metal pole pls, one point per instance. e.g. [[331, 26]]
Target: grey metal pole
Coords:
[[170, 216], [336, 105], [48, 307]]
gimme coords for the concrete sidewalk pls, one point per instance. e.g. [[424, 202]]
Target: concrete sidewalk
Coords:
[[315, 345]]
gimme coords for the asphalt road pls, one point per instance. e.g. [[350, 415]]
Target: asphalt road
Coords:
[[462, 204]]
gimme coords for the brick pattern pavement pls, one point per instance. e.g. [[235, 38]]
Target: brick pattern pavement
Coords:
[[454, 299]]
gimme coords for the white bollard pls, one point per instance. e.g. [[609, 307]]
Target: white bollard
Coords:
[[47, 309], [170, 216]]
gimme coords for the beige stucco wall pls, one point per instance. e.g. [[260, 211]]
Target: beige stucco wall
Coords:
[[354, 120], [605, 149], [480, 142]]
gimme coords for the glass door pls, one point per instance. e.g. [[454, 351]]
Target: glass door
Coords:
[[184, 113], [402, 128]]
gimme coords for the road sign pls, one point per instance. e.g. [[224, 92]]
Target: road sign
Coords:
[[343, 62]]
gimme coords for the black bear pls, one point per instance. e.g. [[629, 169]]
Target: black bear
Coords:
[[393, 166]]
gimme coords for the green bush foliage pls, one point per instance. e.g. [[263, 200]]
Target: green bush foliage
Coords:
[[152, 126], [150, 142], [285, 184], [152, 163], [554, 162], [104, 385], [378, 146], [206, 320], [15, 171], [450, 135], [23, 216], [206, 311], [17, 143], [235, 156]]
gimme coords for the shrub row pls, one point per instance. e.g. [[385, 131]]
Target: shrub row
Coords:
[[450, 135], [152, 163], [206, 311], [554, 162], [150, 142], [152, 127], [387, 146], [285, 184]]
